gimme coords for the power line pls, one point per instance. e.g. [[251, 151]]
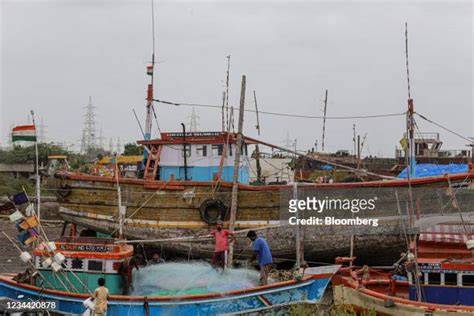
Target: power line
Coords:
[[285, 114], [445, 128]]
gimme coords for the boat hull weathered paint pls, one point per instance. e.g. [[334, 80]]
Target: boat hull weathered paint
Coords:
[[170, 209], [364, 300], [310, 289]]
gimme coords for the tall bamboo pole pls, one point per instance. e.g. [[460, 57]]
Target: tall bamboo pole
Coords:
[[235, 186]]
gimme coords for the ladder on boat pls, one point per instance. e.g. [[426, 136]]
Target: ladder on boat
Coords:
[[151, 166]]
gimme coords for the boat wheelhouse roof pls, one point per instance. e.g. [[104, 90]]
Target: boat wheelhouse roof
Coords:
[[448, 264], [195, 138]]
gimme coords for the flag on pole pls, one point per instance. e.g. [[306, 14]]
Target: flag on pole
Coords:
[[24, 132], [149, 70]]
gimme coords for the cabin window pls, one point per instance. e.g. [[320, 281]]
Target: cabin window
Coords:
[[421, 277], [244, 150], [434, 278], [77, 264], [186, 149], [94, 265], [217, 149], [468, 280], [450, 279], [201, 151]]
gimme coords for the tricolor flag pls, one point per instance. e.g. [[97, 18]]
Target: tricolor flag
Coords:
[[149, 70], [24, 133]]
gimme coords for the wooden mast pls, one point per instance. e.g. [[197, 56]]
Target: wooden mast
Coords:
[[235, 186], [257, 149], [324, 120]]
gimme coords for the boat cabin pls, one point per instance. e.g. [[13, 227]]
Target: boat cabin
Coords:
[[78, 262], [445, 267], [195, 156]]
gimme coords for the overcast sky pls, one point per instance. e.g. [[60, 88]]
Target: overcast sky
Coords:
[[55, 54]]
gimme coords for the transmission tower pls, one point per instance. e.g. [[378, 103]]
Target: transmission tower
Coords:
[[101, 139], [42, 129], [89, 136], [111, 146], [10, 137], [288, 141], [119, 146], [193, 122]]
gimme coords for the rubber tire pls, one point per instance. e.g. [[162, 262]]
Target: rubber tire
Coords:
[[64, 191], [212, 203]]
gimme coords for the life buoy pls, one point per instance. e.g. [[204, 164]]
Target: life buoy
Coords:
[[64, 191], [212, 204]]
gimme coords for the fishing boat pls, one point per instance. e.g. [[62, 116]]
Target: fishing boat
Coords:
[[439, 282], [164, 205], [192, 179], [67, 270]]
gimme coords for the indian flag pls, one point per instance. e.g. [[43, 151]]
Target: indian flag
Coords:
[[25, 133]]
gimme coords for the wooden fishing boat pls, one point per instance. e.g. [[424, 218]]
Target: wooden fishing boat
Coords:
[[170, 207], [189, 178], [445, 279], [67, 272]]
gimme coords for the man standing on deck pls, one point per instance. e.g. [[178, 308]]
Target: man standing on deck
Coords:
[[261, 252], [219, 258], [125, 271]]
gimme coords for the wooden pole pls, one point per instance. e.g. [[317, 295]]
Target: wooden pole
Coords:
[[354, 139], [235, 186], [297, 230], [38, 179], [358, 151], [324, 120], [257, 149]]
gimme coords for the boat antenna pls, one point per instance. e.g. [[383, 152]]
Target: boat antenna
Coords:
[[227, 94], [324, 120], [410, 117]]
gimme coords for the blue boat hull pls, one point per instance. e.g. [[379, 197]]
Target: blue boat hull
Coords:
[[308, 290]]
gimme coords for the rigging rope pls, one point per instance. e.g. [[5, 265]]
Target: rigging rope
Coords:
[[445, 128], [284, 114]]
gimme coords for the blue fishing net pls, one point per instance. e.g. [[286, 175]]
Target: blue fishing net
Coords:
[[177, 278]]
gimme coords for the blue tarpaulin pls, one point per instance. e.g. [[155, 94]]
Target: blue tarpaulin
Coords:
[[326, 167], [431, 170]]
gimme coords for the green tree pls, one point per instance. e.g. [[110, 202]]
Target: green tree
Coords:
[[132, 149], [26, 154]]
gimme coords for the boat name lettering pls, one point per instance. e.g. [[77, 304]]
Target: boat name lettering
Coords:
[[91, 248]]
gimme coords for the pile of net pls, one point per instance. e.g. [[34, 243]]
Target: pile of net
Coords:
[[190, 278]]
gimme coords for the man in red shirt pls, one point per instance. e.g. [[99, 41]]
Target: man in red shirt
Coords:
[[221, 247]]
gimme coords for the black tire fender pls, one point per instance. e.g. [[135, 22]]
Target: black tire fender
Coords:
[[64, 191], [209, 204]]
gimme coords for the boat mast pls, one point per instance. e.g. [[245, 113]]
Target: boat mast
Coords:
[[235, 185], [324, 120], [38, 180], [257, 149], [410, 118], [150, 71]]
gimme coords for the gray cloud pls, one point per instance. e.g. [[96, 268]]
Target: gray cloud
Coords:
[[55, 54]]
